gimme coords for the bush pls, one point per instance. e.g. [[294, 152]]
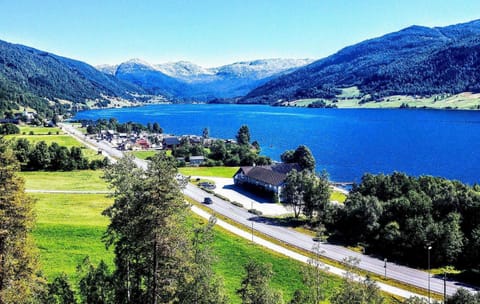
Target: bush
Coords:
[[9, 128], [207, 190], [222, 197], [235, 203], [255, 211]]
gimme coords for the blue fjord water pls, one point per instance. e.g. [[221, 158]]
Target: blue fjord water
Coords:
[[345, 142]]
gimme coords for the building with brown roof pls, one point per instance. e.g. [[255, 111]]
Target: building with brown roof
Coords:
[[270, 178]]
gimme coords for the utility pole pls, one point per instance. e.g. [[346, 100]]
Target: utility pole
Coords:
[[428, 253], [251, 205], [444, 287], [385, 266]]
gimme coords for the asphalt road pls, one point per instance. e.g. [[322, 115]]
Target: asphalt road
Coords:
[[335, 252]]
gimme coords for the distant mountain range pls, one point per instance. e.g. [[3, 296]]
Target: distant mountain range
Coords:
[[414, 61], [186, 80]]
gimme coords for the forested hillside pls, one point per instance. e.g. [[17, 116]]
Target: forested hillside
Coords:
[[414, 61], [30, 77]]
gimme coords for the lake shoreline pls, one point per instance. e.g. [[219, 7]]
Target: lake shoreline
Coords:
[[346, 143]]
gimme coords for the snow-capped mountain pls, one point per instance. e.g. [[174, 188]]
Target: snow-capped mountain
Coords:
[[108, 69], [187, 80], [184, 70], [261, 68]]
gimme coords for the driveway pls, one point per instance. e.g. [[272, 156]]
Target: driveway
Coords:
[[227, 188]]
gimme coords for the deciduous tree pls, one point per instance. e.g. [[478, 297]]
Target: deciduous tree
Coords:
[[18, 280], [255, 288], [243, 135]]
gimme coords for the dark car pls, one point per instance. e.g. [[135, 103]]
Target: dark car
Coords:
[[207, 201], [207, 185]]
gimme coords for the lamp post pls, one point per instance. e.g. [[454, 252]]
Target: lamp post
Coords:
[[251, 205], [428, 253], [444, 286], [385, 266]]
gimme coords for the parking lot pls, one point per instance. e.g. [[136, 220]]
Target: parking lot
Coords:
[[226, 187]]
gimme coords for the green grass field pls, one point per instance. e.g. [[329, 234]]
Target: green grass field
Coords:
[[143, 154], [72, 180], [62, 140], [209, 171], [338, 196], [70, 227], [349, 98], [39, 130]]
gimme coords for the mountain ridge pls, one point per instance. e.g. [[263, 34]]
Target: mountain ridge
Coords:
[[45, 81], [186, 80], [377, 66]]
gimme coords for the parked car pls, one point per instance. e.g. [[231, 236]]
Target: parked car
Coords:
[[207, 201], [207, 185]]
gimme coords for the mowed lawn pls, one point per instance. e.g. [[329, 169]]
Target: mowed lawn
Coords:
[[70, 227], [39, 130], [81, 180], [62, 140], [209, 171]]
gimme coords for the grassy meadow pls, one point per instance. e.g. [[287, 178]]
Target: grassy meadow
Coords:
[[70, 227], [80, 180], [226, 172], [350, 98], [338, 196]]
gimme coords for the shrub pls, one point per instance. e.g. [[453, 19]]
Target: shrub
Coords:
[[255, 211], [208, 190], [9, 128], [235, 203], [222, 197]]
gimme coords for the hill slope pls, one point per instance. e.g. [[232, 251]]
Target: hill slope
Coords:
[[30, 77], [414, 61]]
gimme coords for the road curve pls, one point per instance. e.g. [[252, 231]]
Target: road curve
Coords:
[[396, 272]]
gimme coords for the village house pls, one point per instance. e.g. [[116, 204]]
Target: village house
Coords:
[[171, 142], [142, 143], [269, 178], [196, 160]]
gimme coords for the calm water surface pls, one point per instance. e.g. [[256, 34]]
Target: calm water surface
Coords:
[[345, 142]]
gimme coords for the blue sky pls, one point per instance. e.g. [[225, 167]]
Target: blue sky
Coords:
[[214, 32]]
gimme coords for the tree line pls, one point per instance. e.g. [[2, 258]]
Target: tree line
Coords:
[[94, 127], [53, 157], [398, 216], [243, 152]]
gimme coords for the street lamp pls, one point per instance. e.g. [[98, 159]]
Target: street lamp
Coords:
[[428, 252], [444, 286], [251, 205], [385, 266]]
